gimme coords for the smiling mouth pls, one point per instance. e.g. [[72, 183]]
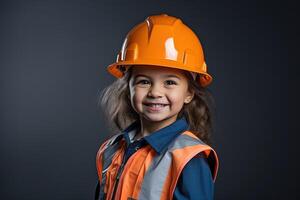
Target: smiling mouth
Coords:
[[155, 105]]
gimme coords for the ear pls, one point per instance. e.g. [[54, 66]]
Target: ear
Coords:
[[189, 97]]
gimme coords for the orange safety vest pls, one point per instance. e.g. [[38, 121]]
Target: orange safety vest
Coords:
[[148, 175]]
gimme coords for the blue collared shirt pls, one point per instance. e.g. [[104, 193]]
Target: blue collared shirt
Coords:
[[195, 181]]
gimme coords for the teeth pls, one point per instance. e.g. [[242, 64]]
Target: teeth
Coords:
[[156, 105]]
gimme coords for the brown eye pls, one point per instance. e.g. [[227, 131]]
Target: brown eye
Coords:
[[171, 82], [143, 82]]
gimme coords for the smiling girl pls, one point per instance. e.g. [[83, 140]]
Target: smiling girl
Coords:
[[161, 106]]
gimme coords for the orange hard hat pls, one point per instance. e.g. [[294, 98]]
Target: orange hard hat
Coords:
[[162, 40]]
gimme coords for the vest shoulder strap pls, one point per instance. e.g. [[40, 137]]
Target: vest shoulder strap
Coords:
[[190, 139]]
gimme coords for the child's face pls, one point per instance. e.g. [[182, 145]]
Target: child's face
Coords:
[[158, 93]]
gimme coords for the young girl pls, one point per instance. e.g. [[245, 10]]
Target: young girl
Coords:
[[162, 108]]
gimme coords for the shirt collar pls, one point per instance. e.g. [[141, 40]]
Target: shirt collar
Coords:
[[160, 139]]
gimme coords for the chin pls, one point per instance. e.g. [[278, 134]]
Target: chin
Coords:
[[157, 117], [154, 118]]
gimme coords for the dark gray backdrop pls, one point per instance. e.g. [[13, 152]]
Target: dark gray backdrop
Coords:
[[53, 59]]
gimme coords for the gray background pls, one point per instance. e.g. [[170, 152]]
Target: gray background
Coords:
[[53, 60]]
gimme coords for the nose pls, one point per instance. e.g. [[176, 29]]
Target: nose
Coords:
[[155, 91]]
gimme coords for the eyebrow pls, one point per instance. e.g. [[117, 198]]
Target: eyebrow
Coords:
[[165, 76]]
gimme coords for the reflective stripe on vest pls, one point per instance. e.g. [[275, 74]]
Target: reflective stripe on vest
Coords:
[[148, 175]]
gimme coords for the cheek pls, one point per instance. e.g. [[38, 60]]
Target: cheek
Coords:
[[137, 95], [176, 99]]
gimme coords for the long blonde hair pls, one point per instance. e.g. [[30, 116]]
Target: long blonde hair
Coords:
[[115, 103]]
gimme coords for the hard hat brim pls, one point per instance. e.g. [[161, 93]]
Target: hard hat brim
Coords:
[[204, 80]]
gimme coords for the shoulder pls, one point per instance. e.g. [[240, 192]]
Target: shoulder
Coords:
[[110, 141], [186, 138], [191, 144]]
